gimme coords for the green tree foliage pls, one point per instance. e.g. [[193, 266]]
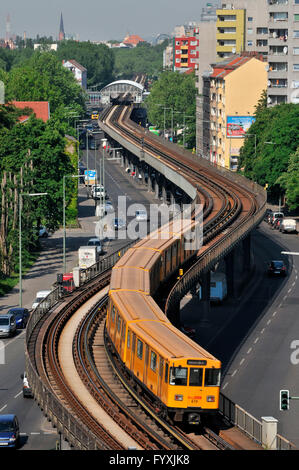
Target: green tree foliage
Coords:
[[175, 91], [32, 159], [98, 59], [43, 78], [276, 130], [142, 59], [290, 181]]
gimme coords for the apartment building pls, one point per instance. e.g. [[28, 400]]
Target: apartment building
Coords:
[[230, 94], [283, 55], [230, 31]]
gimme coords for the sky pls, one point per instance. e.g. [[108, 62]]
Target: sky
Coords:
[[96, 19]]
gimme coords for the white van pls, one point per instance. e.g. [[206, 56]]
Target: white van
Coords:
[[40, 295], [288, 225]]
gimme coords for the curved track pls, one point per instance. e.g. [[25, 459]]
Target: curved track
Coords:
[[227, 207]]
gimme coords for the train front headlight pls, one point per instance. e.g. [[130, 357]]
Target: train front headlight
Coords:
[[179, 397], [210, 398]]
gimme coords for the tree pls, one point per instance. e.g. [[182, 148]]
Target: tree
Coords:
[[176, 93], [276, 130], [98, 59], [290, 181], [43, 78]]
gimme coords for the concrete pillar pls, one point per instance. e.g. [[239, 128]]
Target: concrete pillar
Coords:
[[269, 432], [205, 303], [156, 189], [229, 267]]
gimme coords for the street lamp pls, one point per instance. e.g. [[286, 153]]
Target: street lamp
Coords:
[[64, 228], [20, 240], [184, 123]]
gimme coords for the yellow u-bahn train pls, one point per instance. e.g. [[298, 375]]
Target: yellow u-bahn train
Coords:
[[179, 377]]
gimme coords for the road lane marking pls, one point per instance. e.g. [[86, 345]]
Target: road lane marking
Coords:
[[242, 360], [249, 350], [3, 407], [18, 394]]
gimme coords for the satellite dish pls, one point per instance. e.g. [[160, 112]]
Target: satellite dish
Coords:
[[285, 50], [233, 50]]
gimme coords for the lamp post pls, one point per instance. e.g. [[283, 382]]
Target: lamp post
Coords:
[[20, 240], [184, 123], [64, 228]]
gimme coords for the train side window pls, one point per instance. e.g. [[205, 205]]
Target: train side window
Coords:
[[113, 313], [118, 323], [139, 349], [153, 361], [129, 339], [196, 375], [166, 373], [212, 377], [178, 376]]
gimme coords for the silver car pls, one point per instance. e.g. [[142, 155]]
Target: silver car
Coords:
[[8, 325]]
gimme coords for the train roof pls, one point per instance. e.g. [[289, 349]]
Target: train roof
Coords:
[[135, 306], [169, 342], [131, 279], [141, 258]]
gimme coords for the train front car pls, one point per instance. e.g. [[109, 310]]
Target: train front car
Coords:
[[180, 379]]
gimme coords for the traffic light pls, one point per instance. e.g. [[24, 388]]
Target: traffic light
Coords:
[[284, 400]]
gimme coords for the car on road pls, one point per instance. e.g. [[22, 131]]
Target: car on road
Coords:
[[188, 331], [21, 316], [109, 209], [141, 215], [27, 391], [277, 268], [40, 295], [9, 430], [97, 243], [274, 216], [118, 224], [8, 326], [43, 232]]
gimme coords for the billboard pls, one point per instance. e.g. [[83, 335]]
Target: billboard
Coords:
[[237, 126]]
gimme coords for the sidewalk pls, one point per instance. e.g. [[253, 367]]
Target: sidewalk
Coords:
[[44, 272]]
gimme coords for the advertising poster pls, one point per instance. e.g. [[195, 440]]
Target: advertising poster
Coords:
[[237, 126]]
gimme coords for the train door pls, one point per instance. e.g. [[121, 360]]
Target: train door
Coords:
[[160, 376], [145, 367], [122, 341], [132, 362]]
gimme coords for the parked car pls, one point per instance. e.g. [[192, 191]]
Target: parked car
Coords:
[[43, 232], [141, 215], [9, 431], [21, 316], [276, 224], [108, 207], [274, 216], [188, 331], [97, 243], [27, 391], [8, 325], [118, 224], [288, 225], [277, 268]]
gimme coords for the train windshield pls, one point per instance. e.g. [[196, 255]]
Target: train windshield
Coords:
[[212, 377], [195, 379], [178, 376]]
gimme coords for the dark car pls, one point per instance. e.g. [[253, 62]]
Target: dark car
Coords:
[[118, 224], [21, 316], [277, 268], [9, 431]]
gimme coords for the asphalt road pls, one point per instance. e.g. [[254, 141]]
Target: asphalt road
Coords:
[[255, 335], [36, 432]]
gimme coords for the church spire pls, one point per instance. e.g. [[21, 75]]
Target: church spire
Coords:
[[61, 29]]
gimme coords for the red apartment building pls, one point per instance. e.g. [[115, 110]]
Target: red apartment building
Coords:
[[186, 53]]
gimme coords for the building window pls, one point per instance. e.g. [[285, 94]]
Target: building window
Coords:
[[295, 50], [295, 67]]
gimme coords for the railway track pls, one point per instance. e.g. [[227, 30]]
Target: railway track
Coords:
[[224, 207]]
